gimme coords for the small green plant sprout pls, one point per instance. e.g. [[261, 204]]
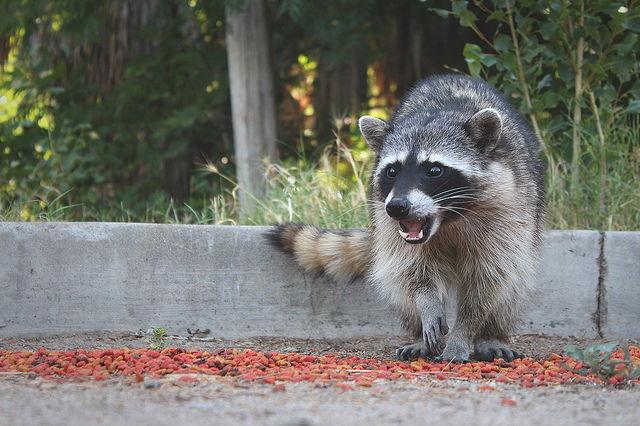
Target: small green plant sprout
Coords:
[[159, 339], [597, 359]]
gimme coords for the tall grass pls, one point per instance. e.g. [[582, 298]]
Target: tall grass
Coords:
[[608, 197], [331, 192]]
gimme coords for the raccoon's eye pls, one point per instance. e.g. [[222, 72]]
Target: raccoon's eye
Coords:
[[392, 172], [435, 171]]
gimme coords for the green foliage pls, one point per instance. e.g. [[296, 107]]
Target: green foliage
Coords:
[[544, 36], [573, 68], [597, 359], [96, 131], [159, 339]]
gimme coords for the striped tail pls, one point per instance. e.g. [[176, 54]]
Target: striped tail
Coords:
[[342, 254]]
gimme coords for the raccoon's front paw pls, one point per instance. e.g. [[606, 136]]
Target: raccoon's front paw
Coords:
[[414, 351], [433, 334], [488, 350]]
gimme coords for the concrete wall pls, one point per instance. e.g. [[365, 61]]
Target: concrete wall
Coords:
[[72, 277]]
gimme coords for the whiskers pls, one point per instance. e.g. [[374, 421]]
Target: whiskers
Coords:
[[458, 197], [455, 200], [367, 203]]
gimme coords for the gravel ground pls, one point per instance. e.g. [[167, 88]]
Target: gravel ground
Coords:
[[210, 400]]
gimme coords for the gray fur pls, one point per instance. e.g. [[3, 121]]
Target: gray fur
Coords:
[[458, 169]]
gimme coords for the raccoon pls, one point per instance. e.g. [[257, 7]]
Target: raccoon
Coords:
[[457, 208]]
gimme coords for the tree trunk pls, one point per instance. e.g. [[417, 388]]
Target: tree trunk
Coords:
[[341, 91], [253, 109]]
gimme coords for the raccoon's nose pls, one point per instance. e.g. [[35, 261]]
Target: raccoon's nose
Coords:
[[398, 209]]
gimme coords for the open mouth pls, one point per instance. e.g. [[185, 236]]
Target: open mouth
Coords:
[[415, 231]]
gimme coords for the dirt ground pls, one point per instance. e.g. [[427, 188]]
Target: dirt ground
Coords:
[[211, 400], [532, 345]]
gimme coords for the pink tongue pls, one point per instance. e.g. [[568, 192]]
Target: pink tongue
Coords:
[[413, 228]]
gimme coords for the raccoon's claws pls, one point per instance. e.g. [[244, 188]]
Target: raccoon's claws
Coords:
[[457, 350], [414, 351], [433, 335], [455, 360], [488, 350]]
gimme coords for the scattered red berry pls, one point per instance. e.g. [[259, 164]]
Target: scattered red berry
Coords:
[[275, 368]]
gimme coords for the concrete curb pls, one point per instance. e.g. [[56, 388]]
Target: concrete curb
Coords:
[[76, 277]]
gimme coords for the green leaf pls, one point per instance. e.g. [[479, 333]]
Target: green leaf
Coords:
[[472, 53], [632, 24], [628, 43], [623, 67], [488, 60], [502, 43], [593, 33], [467, 18], [544, 81], [606, 347], [509, 60], [634, 107], [596, 70], [498, 15], [443, 13], [575, 353], [557, 124], [548, 29]]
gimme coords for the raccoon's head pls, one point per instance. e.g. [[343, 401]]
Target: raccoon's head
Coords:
[[428, 175]]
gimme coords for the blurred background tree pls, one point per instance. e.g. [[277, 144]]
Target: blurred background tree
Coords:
[[253, 107], [111, 101], [116, 104]]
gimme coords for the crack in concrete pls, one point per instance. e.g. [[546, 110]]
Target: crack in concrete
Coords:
[[600, 315]]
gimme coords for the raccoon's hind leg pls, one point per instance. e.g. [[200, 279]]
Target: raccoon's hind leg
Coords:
[[469, 315], [433, 330], [458, 347], [490, 344], [490, 349], [487, 332]]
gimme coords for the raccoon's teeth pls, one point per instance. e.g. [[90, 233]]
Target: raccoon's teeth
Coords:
[[412, 230], [405, 235]]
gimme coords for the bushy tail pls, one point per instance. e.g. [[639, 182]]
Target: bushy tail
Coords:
[[343, 254]]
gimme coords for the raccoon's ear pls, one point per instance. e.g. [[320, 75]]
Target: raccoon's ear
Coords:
[[374, 131], [484, 128]]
